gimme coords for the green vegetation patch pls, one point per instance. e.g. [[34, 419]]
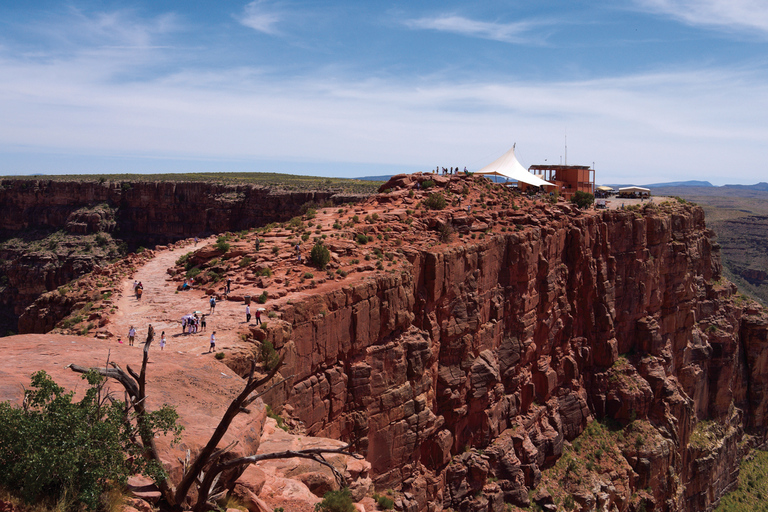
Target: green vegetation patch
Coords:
[[752, 491]]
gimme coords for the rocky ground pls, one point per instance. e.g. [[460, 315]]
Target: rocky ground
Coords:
[[465, 337]]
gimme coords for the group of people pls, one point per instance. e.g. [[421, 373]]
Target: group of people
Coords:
[[451, 170], [138, 289], [193, 324], [248, 315]]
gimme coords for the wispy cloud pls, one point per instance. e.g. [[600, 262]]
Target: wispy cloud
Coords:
[[261, 16], [518, 32], [724, 14], [685, 121]]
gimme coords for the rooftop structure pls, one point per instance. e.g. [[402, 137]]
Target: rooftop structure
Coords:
[[567, 178]]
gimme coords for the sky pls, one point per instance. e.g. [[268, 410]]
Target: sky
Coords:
[[647, 91]]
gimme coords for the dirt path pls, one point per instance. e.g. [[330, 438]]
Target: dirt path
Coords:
[[162, 306]]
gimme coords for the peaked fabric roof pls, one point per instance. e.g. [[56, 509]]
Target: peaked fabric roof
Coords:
[[508, 167]]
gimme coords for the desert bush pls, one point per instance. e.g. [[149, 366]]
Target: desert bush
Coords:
[[222, 245], [336, 501], [269, 356], [262, 299], [320, 255], [435, 201]]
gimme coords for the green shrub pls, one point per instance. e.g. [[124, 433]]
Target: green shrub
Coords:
[[427, 184], [336, 501], [320, 255], [435, 201], [269, 356], [56, 449], [361, 238], [266, 272], [222, 245], [261, 299], [583, 199], [384, 502], [245, 261], [193, 272], [219, 355]]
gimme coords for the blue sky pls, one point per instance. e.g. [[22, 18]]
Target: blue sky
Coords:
[[647, 90]]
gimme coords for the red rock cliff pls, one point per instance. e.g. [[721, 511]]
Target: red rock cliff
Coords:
[[514, 344], [138, 213]]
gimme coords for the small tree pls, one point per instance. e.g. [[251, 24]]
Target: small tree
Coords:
[[320, 255], [583, 199], [205, 472], [52, 447]]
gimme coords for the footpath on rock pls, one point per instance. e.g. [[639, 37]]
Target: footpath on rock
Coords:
[[162, 306]]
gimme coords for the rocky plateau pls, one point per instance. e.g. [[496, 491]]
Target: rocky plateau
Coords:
[[483, 350]]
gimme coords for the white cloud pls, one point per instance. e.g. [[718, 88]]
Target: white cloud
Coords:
[[728, 14], [694, 124], [505, 32], [261, 16]]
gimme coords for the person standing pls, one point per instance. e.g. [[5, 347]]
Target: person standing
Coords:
[[247, 313], [162, 341], [202, 323], [213, 342], [213, 304], [258, 317], [229, 284], [131, 336]]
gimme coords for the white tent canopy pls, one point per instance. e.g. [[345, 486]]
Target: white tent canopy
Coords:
[[635, 190], [508, 167]]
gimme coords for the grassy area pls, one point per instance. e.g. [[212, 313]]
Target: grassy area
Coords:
[[752, 491], [268, 179]]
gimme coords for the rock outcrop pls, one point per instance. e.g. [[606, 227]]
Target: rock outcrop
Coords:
[[62, 228], [509, 344], [516, 343]]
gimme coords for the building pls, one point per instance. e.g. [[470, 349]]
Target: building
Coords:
[[567, 178]]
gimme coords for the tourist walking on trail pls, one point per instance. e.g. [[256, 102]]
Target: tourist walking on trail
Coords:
[[131, 336], [247, 313], [162, 341], [213, 342], [202, 323], [213, 304], [258, 316], [229, 284]]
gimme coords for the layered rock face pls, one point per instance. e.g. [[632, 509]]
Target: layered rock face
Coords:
[[138, 213], [514, 344]]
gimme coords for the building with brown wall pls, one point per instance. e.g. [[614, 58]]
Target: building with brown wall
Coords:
[[568, 178]]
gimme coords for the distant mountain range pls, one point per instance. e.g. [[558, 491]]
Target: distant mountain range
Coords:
[[691, 183], [762, 186]]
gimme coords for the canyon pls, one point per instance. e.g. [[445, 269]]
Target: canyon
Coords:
[[495, 352], [54, 231]]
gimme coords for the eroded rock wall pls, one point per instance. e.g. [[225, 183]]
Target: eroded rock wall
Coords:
[[137, 213], [515, 342]]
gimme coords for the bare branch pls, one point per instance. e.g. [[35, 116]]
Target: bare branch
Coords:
[[117, 374], [233, 410], [316, 454], [250, 400]]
